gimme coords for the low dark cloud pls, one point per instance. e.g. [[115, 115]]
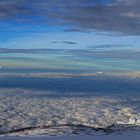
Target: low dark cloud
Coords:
[[121, 16]]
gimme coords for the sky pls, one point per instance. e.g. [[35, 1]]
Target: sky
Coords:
[[70, 34]]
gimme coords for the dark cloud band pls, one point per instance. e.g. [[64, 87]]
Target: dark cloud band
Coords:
[[110, 15]]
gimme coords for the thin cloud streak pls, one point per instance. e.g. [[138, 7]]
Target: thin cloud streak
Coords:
[[65, 42]]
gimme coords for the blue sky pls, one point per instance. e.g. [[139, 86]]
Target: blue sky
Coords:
[[71, 34]]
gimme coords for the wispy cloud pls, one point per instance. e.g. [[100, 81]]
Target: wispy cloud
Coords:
[[81, 54], [41, 50], [65, 42], [76, 30], [109, 46]]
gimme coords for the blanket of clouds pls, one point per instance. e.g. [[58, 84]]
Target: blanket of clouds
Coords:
[[22, 115]]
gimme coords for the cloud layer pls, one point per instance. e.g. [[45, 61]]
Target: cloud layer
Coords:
[[111, 15]]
